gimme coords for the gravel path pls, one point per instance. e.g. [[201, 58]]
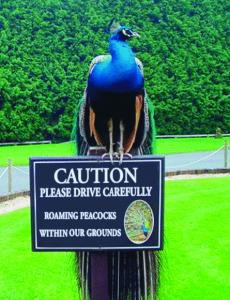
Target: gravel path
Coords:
[[192, 176], [17, 203], [21, 202], [173, 162]]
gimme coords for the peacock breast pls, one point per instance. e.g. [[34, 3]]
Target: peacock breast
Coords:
[[121, 76]]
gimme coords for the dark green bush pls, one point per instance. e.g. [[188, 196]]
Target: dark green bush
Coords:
[[46, 48]]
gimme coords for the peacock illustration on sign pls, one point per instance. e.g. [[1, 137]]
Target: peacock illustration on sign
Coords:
[[139, 221]]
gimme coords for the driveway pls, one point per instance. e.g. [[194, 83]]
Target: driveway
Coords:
[[174, 162]]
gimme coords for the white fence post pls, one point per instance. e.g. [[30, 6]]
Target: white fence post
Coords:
[[9, 176], [225, 154]]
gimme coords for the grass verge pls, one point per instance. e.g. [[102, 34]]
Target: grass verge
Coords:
[[20, 154], [195, 259], [183, 145], [25, 275]]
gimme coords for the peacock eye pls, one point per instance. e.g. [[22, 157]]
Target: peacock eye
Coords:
[[127, 32]]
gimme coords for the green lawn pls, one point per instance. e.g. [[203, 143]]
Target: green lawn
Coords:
[[20, 154], [26, 275], [182, 145], [195, 261]]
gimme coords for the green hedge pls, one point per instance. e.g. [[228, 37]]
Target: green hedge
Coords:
[[46, 48]]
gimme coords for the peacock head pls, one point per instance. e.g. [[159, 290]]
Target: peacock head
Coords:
[[125, 33], [120, 32]]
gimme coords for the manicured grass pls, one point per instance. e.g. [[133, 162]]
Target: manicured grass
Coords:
[[25, 275], [20, 154], [195, 261], [183, 145]]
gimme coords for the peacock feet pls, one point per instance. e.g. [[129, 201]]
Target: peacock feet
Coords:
[[116, 156], [113, 156], [119, 154], [121, 143]]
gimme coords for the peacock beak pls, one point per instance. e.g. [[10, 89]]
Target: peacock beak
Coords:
[[136, 34], [128, 33]]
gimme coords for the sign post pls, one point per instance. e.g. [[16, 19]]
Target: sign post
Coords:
[[89, 205]]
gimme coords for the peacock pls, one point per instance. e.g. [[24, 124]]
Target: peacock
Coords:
[[116, 113], [145, 229]]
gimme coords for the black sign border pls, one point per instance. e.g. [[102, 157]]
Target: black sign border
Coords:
[[35, 160]]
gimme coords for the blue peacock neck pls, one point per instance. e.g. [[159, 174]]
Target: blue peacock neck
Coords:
[[121, 53], [123, 68], [118, 74]]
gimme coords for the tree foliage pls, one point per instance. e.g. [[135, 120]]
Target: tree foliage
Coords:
[[46, 47]]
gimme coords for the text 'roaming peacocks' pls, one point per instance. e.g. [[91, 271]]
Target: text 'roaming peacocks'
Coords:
[[116, 113]]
